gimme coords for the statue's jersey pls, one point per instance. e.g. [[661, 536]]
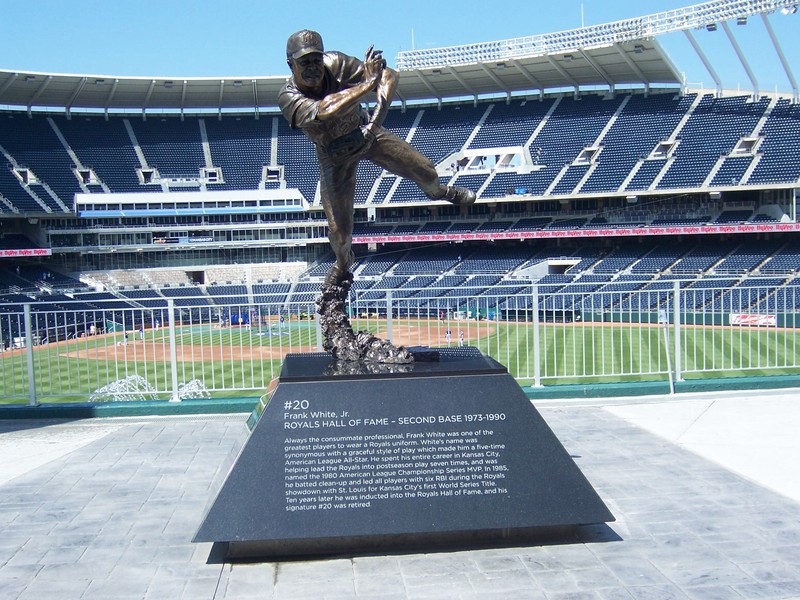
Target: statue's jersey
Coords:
[[341, 72]]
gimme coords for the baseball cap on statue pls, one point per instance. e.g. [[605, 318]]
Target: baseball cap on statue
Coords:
[[304, 42]]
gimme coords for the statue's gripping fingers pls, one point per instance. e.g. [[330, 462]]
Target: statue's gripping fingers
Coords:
[[371, 54], [374, 64], [377, 58]]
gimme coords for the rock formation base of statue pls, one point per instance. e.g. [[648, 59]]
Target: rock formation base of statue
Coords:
[[339, 338]]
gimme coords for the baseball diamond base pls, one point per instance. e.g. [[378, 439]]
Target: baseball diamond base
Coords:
[[447, 452]]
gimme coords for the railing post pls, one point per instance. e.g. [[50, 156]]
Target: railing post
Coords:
[[664, 320], [389, 322], [537, 370], [29, 355], [676, 322], [173, 351], [318, 329]]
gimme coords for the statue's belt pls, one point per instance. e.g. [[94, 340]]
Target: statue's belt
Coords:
[[347, 146]]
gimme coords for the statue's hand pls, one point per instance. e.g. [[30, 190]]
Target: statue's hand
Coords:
[[374, 64]]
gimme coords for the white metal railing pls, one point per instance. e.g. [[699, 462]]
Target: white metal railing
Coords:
[[595, 36], [114, 351]]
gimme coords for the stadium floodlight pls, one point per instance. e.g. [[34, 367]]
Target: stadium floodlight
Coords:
[[711, 27], [595, 36]]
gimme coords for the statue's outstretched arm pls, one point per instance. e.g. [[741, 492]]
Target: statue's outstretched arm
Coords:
[[375, 78], [385, 93]]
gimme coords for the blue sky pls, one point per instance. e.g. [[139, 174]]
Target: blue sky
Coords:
[[244, 38]]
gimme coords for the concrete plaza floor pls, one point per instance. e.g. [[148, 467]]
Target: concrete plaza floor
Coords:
[[705, 490]]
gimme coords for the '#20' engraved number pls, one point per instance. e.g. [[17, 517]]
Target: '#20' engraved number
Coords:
[[295, 405]]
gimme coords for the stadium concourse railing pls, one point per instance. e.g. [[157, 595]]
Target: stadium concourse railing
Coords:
[[165, 349]]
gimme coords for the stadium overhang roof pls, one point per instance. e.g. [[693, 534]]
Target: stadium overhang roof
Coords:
[[611, 55], [639, 63], [106, 92]]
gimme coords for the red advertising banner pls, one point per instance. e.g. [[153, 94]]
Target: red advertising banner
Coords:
[[578, 233], [26, 252]]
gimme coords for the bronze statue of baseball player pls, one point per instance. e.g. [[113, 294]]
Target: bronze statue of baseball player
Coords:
[[323, 97]]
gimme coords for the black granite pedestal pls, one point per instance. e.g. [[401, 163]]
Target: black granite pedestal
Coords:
[[348, 460]]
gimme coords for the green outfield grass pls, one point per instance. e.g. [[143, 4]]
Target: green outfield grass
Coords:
[[243, 361]]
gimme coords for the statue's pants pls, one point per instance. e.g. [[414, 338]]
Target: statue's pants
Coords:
[[338, 185]]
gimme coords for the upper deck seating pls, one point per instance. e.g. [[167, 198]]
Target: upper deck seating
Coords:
[[713, 129], [441, 132], [573, 126], [34, 145], [104, 146], [780, 162], [298, 157], [642, 124], [240, 146], [171, 145], [732, 171], [510, 124]]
